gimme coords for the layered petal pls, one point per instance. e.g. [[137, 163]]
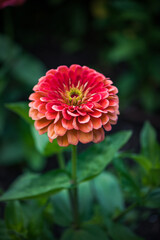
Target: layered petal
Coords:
[[74, 104], [85, 137]]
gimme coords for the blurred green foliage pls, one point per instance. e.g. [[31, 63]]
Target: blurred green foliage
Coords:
[[121, 39], [123, 35], [102, 202]]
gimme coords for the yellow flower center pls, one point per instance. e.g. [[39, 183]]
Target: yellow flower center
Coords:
[[74, 95]]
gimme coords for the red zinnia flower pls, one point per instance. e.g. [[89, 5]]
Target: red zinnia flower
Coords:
[[74, 104], [6, 3]]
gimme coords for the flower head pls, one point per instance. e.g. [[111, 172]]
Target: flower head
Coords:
[[74, 104], [6, 3]]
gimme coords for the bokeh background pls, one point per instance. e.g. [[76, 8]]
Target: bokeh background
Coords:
[[120, 38]]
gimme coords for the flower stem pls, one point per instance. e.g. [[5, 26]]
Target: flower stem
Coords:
[[75, 190], [132, 206], [61, 160]]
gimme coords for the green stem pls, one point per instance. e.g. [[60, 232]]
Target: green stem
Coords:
[[61, 163], [61, 160], [75, 190], [132, 206], [125, 211], [74, 164]]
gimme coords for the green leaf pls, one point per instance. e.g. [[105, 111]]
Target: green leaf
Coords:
[[11, 153], [153, 200], [22, 109], [34, 159], [127, 84], [4, 232], [43, 145], [41, 141], [155, 62], [63, 215], [62, 208], [85, 200], [148, 141], [72, 45], [23, 67], [38, 226], [149, 98], [35, 224], [142, 160], [95, 159], [127, 180], [89, 232], [33, 185], [125, 48], [9, 50], [120, 232], [14, 218], [152, 178], [108, 193]]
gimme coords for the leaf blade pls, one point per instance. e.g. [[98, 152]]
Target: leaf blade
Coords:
[[34, 185], [94, 160]]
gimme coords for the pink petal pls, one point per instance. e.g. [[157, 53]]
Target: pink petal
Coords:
[[104, 94], [85, 127], [72, 137], [66, 115], [33, 113], [81, 112], [104, 103], [39, 124], [113, 122], [95, 98], [67, 124], [40, 115], [63, 69], [98, 135], [52, 71], [59, 129], [35, 96], [104, 119], [63, 141], [42, 108], [85, 137], [107, 126], [57, 108], [36, 104], [96, 123], [111, 109], [72, 114], [43, 130], [83, 119], [75, 125], [51, 132], [112, 102], [78, 70], [113, 117], [95, 114], [112, 89], [51, 115], [30, 104], [51, 140], [74, 66], [107, 82], [57, 117]]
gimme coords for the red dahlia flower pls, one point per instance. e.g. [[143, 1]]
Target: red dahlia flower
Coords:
[[74, 104], [6, 3]]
